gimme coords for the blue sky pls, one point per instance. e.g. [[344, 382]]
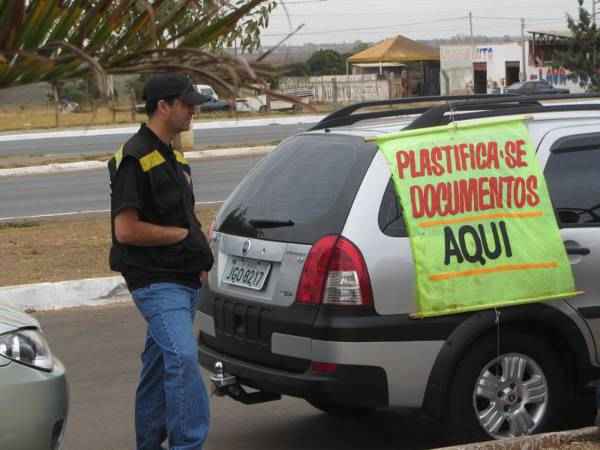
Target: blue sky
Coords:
[[329, 21]]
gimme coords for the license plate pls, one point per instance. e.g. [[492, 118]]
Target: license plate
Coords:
[[247, 273]]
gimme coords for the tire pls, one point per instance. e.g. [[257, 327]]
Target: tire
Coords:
[[586, 412], [338, 410], [524, 391]]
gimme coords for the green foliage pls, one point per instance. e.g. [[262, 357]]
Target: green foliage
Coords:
[[326, 62], [75, 90], [296, 70], [53, 40], [359, 46], [582, 51]]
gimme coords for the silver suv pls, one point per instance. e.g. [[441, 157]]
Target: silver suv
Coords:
[[314, 284]]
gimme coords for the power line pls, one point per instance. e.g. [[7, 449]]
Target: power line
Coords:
[[343, 30], [536, 19]]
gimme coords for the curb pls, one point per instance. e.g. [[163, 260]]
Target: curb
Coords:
[[65, 294], [91, 165], [575, 438]]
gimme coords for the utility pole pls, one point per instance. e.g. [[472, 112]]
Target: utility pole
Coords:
[[471, 34], [523, 52], [594, 2]]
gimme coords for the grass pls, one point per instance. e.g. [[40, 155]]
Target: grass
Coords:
[[14, 118], [17, 225], [23, 118], [60, 249]]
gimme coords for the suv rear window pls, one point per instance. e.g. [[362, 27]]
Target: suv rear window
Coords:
[[301, 191]]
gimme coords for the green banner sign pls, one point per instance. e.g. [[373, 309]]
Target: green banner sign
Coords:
[[482, 228]]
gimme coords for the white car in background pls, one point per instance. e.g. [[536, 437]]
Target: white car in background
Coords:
[[207, 89], [259, 104], [34, 399]]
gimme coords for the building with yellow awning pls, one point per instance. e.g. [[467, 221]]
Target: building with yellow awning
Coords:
[[414, 67]]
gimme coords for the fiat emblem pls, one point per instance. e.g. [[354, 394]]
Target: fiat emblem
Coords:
[[246, 247]]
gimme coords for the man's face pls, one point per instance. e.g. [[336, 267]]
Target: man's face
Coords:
[[180, 116]]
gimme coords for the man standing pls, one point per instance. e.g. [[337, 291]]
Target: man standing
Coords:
[[159, 247]]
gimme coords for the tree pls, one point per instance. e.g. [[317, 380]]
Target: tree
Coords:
[[53, 40], [582, 50], [326, 62], [295, 70], [359, 46]]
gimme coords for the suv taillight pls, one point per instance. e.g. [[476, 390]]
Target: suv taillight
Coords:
[[334, 273]]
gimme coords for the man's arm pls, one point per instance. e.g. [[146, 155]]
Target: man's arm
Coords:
[[130, 230]]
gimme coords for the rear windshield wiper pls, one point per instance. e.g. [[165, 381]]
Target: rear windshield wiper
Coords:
[[267, 223]]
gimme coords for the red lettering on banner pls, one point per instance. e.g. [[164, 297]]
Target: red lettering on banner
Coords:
[[492, 156], [485, 202], [442, 195], [402, 161], [417, 201], [508, 181], [481, 156], [436, 157], [520, 153], [424, 166], [447, 149], [470, 193], [533, 199], [519, 192], [496, 192], [509, 158]]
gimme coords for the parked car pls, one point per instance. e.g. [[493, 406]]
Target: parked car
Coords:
[[204, 89], [272, 319], [535, 87], [207, 89], [215, 105], [259, 104], [33, 388], [68, 106]]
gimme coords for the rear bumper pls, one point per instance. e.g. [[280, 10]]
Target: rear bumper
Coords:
[[353, 386]]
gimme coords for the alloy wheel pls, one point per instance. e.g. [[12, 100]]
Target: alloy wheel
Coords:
[[510, 396]]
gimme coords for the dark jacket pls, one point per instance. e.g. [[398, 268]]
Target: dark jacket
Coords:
[[169, 201]]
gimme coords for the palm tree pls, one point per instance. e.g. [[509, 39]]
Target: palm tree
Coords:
[[52, 40]]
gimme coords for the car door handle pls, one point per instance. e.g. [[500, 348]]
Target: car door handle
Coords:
[[582, 251]]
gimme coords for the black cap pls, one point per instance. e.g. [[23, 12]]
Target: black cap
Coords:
[[169, 85]]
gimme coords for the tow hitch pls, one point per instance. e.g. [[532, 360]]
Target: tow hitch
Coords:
[[228, 385]]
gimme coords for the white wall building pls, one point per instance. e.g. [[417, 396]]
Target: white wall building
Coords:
[[489, 68]]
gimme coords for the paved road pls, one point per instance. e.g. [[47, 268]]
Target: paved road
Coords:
[[100, 348], [88, 190], [89, 145]]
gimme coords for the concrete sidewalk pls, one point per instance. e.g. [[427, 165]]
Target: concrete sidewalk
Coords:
[[583, 439], [65, 294]]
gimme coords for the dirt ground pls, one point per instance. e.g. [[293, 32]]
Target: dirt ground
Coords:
[[60, 249]]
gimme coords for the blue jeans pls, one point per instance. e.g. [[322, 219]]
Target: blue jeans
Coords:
[[171, 399]]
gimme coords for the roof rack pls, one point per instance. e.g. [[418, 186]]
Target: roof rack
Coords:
[[500, 104], [345, 115], [478, 108]]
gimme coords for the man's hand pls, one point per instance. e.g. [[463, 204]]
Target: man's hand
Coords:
[[130, 230], [204, 277]]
